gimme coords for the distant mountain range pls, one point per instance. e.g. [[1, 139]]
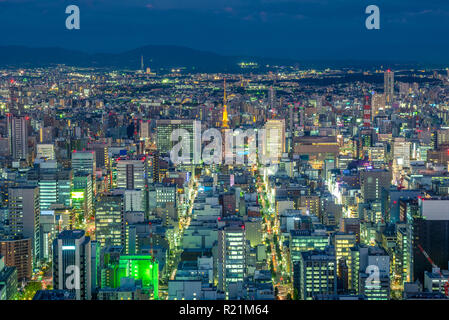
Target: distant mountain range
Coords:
[[157, 58]]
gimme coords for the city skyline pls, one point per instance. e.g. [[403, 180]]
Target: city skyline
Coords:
[[224, 157]]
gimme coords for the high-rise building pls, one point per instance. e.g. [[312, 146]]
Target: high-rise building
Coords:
[[54, 184], [254, 233], [144, 132], [164, 130], [401, 156], [17, 253], [18, 137], [24, 214], [228, 203], [311, 203], [82, 194], [84, 162], [131, 174], [389, 87], [48, 226], [72, 264], [377, 104], [101, 154], [134, 200], [306, 240], [315, 274], [109, 220], [404, 252], [161, 194], [374, 273], [431, 232], [274, 142], [372, 183], [351, 225], [231, 255], [272, 101], [343, 242], [367, 113], [8, 281], [155, 167]]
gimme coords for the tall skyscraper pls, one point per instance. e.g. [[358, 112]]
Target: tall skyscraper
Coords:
[[101, 154], [431, 232], [82, 194], [72, 263], [404, 252], [377, 104], [144, 132], [109, 220], [18, 136], [401, 156], [231, 255], [155, 166], [367, 113], [131, 174], [274, 142], [272, 101], [24, 214], [343, 242], [17, 253], [389, 87]]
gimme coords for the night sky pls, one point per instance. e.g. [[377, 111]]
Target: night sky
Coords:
[[411, 30]]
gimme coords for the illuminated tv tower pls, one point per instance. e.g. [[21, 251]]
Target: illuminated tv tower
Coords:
[[225, 109]]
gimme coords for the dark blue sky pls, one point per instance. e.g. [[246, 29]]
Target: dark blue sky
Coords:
[[412, 30]]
